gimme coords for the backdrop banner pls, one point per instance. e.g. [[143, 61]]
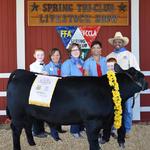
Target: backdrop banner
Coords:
[[84, 36]]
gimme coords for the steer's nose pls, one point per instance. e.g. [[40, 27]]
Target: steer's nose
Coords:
[[145, 86]]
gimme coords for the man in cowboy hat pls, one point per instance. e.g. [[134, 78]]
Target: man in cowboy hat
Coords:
[[126, 60]]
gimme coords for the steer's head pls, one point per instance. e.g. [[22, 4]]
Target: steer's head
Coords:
[[135, 75]]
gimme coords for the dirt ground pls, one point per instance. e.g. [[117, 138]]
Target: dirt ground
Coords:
[[139, 140]]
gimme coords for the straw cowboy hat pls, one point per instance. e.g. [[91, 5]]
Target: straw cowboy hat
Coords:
[[118, 36]]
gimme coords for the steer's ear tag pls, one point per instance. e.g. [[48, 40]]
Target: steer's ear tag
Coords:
[[117, 68]]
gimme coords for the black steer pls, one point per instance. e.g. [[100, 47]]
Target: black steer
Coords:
[[75, 100]]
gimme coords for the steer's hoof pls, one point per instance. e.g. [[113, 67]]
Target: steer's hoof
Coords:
[[114, 135], [32, 143], [102, 141], [121, 145]]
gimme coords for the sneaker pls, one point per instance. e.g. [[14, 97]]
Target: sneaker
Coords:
[[41, 135], [56, 138], [76, 135], [127, 135]]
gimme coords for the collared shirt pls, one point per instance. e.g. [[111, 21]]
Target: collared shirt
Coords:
[[37, 67], [90, 66], [125, 59], [51, 69], [70, 69]]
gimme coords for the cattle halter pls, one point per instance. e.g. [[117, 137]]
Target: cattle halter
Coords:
[[137, 82]]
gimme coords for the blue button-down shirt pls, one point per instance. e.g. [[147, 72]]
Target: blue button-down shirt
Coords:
[[70, 69], [51, 69], [90, 66]]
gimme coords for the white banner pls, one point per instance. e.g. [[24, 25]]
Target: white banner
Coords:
[[42, 90]]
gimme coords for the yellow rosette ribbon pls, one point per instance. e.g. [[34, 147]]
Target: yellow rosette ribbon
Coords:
[[116, 99]]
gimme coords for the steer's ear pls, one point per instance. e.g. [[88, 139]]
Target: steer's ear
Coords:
[[117, 68]]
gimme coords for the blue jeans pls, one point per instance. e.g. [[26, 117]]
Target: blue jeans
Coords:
[[128, 114], [54, 133], [76, 128], [38, 127]]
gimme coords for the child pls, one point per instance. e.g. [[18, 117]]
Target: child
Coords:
[[38, 66], [54, 65], [74, 67], [54, 68], [110, 65]]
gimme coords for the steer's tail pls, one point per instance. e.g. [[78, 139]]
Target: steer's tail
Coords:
[[8, 113], [12, 75]]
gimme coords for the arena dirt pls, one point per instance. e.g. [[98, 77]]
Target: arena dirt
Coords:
[[139, 140]]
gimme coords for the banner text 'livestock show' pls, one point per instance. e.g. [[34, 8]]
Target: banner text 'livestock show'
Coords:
[[62, 13]]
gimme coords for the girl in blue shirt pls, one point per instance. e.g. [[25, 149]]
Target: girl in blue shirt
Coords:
[[54, 68], [96, 65], [73, 67]]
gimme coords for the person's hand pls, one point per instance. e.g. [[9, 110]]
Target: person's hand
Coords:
[[44, 73], [79, 66], [85, 73]]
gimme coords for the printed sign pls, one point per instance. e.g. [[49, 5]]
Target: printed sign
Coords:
[[42, 90], [78, 13], [89, 33], [84, 36], [66, 33]]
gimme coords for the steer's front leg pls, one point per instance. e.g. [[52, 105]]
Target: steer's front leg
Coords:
[[92, 131], [121, 136]]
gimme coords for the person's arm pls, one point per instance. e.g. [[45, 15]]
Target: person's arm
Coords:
[[105, 68], [86, 68], [46, 70], [65, 69], [133, 62], [32, 68], [85, 73]]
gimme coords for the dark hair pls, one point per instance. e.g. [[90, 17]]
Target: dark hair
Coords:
[[51, 52], [73, 45], [95, 43], [111, 59]]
